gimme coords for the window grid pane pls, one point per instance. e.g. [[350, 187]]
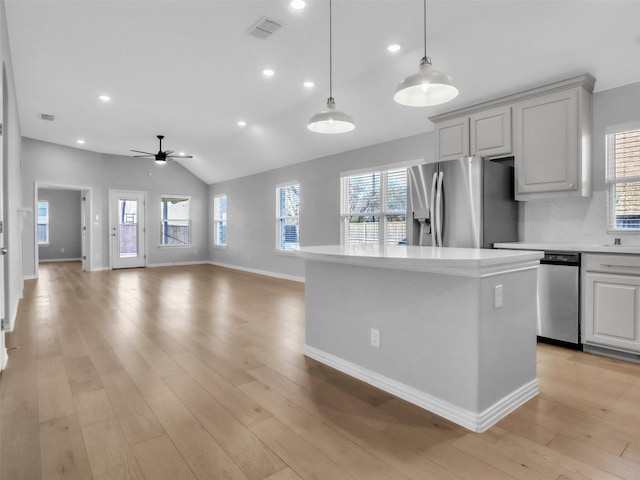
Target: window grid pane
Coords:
[[623, 159], [176, 226], [288, 217], [373, 208], [220, 220], [43, 222]]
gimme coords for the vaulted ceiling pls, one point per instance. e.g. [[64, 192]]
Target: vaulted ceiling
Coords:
[[188, 70]]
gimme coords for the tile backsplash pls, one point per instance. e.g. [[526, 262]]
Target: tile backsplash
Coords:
[[571, 220]]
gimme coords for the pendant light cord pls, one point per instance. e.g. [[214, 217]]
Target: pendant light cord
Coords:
[[425, 59], [330, 56]]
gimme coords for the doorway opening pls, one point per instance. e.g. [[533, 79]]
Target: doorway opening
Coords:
[[62, 217]]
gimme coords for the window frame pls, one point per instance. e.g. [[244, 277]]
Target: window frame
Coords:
[[47, 223], [164, 220], [611, 180], [383, 213], [280, 219], [220, 222]]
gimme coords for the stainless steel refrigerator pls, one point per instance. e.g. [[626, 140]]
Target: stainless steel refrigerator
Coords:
[[462, 203]]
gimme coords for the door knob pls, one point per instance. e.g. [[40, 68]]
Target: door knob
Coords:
[[4, 251]]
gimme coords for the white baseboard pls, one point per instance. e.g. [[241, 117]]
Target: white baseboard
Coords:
[[4, 359], [260, 272], [29, 277], [477, 422], [178, 264], [51, 260], [98, 269]]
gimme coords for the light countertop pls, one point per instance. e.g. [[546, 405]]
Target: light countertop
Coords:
[[570, 247], [469, 262]]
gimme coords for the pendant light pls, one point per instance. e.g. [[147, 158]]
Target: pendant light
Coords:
[[331, 120], [428, 86]]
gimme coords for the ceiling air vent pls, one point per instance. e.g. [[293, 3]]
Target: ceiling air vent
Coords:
[[48, 117], [263, 28]]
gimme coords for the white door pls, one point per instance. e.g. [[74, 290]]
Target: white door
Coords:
[[126, 229]]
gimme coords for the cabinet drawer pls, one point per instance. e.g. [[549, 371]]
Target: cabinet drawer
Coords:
[[625, 264]]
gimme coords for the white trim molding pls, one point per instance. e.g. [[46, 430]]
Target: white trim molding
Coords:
[[282, 276], [475, 421]]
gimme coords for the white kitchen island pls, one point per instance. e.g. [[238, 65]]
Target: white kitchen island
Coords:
[[457, 326]]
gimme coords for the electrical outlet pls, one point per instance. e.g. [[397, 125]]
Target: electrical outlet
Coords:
[[375, 337], [498, 297]]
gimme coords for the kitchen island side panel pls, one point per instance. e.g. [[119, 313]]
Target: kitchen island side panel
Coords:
[[443, 335], [427, 322], [507, 335]]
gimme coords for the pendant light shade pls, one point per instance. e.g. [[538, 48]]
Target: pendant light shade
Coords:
[[425, 88], [331, 121], [428, 86]]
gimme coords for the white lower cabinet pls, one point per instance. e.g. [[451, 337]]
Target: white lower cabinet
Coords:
[[612, 310]]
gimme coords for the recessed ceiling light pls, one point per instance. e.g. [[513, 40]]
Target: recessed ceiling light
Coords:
[[267, 72], [105, 98], [393, 48], [80, 141], [242, 123], [297, 4], [308, 84]]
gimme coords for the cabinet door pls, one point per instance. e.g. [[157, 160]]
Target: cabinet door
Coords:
[[452, 139], [613, 311], [546, 136], [491, 132]]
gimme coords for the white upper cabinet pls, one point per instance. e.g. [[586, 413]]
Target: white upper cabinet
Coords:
[[546, 129], [491, 132], [452, 139], [486, 134]]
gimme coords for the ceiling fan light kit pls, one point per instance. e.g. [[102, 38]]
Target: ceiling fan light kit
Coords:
[[428, 86], [162, 156], [331, 121]]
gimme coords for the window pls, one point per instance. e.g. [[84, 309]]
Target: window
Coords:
[[175, 228], [288, 216], [374, 207], [623, 177], [43, 223], [220, 220]]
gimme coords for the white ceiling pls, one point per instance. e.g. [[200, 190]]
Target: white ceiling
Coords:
[[186, 69]]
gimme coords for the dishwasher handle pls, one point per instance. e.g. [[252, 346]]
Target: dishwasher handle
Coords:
[[568, 259]]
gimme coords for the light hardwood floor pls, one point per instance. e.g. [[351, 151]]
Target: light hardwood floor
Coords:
[[197, 372]]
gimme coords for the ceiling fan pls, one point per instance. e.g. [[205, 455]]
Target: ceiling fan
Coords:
[[160, 157]]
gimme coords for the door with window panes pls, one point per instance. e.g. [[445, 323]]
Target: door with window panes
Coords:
[[126, 229]]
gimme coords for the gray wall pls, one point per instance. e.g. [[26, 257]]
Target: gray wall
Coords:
[[65, 236], [251, 204], [56, 165]]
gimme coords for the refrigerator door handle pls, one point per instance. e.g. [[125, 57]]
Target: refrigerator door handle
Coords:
[[439, 209], [434, 215]]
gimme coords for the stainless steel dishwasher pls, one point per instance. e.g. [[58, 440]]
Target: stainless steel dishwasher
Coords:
[[559, 299]]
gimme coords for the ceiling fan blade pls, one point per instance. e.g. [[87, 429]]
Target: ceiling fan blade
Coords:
[[146, 153], [168, 152], [142, 156], [179, 156]]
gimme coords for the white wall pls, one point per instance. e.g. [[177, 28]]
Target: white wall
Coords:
[[48, 163], [251, 204], [11, 152], [584, 220]]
